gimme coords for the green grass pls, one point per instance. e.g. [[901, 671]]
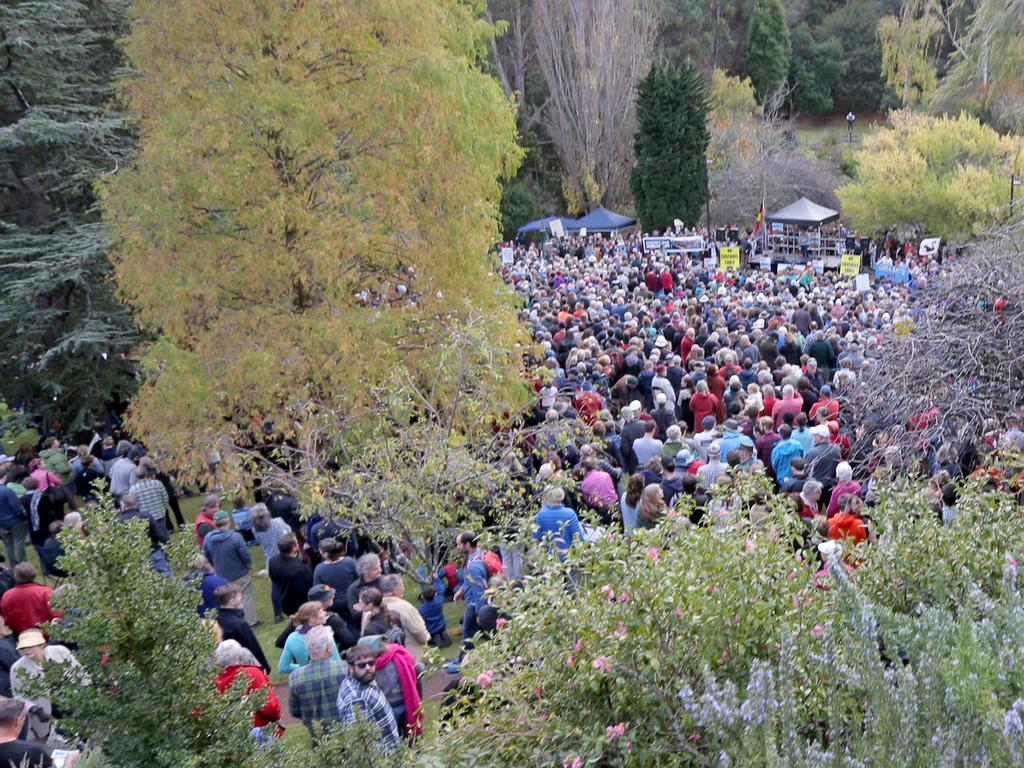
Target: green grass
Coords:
[[268, 631]]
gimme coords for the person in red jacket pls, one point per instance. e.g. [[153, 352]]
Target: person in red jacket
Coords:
[[26, 605], [234, 660], [830, 405], [703, 403], [204, 521]]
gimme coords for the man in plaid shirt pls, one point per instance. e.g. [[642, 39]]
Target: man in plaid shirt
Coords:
[[313, 688], [358, 691]]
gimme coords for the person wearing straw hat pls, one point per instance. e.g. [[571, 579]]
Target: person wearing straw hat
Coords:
[[34, 651]]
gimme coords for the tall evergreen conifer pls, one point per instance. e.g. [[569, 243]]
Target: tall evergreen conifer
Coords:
[[768, 47], [670, 143], [64, 339]]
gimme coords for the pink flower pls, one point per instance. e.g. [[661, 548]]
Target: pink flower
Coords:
[[671, 514], [601, 663], [818, 631], [1012, 562], [579, 644], [500, 622], [569, 661], [712, 589], [679, 613], [748, 545], [624, 597], [792, 575], [621, 630], [577, 763], [652, 554], [629, 746], [608, 592], [695, 736], [484, 679], [615, 731]]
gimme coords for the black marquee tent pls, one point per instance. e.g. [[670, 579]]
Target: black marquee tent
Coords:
[[803, 213]]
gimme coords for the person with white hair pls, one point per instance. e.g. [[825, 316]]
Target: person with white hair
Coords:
[[313, 688], [235, 660], [556, 523], [845, 485]]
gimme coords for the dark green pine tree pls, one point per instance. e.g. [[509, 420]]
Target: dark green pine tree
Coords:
[[768, 47], [671, 144], [64, 338]]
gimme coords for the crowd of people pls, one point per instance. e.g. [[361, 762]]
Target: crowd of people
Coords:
[[660, 383]]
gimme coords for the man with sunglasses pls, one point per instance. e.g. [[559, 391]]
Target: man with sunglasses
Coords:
[[358, 691]]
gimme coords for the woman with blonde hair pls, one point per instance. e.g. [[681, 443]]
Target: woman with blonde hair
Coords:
[[295, 654]]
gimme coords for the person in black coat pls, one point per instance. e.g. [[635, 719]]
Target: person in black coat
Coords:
[[290, 576], [8, 655], [233, 625], [344, 637]]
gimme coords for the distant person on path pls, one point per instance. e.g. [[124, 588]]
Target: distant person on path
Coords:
[[850, 118]]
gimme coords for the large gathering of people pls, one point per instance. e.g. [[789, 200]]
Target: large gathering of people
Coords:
[[660, 382]]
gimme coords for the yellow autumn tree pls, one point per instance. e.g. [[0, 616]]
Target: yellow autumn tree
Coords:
[[310, 209], [944, 176]]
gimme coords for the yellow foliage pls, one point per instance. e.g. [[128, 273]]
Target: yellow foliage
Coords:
[[949, 176], [294, 156]]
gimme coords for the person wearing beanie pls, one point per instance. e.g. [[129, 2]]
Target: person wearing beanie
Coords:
[[226, 551]]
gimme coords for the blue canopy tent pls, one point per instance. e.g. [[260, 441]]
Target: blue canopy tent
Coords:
[[544, 225], [602, 220]]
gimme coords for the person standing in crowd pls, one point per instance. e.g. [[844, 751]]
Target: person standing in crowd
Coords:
[[313, 688], [369, 569], [359, 695], [13, 525], [474, 585], [150, 494], [207, 582], [234, 660], [35, 651], [233, 624], [14, 752], [122, 471], [309, 615], [290, 578], [416, 635], [157, 533], [267, 531], [26, 605], [338, 571], [204, 521], [231, 560]]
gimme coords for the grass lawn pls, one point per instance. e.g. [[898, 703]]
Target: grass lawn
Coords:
[[268, 631]]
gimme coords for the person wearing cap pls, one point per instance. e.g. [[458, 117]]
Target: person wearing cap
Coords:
[[359, 696], [327, 596], [34, 652], [671, 479], [732, 437], [823, 458], [26, 605], [226, 551], [714, 468], [749, 463], [704, 438], [825, 403], [313, 688]]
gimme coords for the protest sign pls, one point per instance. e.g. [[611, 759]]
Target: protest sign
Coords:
[[849, 265], [506, 255], [730, 258]]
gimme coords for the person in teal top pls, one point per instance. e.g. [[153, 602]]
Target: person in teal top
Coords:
[[295, 655]]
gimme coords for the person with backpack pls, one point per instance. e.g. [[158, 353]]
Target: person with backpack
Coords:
[[474, 584]]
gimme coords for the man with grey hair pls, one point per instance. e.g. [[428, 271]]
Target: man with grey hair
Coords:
[[416, 635], [369, 569], [557, 523], [313, 688]]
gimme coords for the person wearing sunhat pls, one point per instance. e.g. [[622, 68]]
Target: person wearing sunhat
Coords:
[[226, 550], [34, 652]]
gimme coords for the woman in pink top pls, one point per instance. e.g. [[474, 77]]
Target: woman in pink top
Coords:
[[844, 486], [598, 488]]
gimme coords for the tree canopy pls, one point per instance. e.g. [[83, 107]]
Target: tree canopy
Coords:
[[323, 218], [671, 144], [943, 176], [768, 47], [64, 340]]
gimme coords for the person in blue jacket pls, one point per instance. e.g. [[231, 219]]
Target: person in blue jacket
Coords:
[[557, 523]]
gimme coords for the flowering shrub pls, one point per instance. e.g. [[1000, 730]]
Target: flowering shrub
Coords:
[[728, 644]]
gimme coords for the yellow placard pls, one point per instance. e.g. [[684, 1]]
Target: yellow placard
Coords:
[[849, 264], [730, 258]]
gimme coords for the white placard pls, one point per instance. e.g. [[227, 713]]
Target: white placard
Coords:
[[507, 255], [862, 283], [556, 228], [766, 265], [677, 223], [710, 262], [583, 231]]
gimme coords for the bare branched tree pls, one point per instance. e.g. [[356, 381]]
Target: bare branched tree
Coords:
[[592, 53], [954, 364]]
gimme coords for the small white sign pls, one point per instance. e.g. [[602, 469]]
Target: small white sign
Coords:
[[677, 223], [556, 228], [766, 265], [583, 231], [507, 255], [862, 283]]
